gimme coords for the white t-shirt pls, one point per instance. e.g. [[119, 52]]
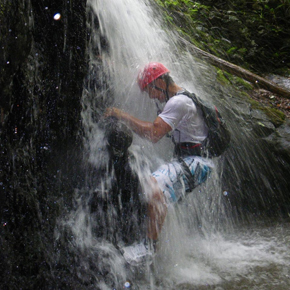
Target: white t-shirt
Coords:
[[182, 115]]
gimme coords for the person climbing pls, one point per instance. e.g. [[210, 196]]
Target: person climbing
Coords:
[[184, 118]]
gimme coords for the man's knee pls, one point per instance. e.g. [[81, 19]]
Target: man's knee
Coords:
[[156, 194]]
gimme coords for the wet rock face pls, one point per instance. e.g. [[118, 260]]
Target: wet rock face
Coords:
[[43, 61], [15, 38], [256, 166], [43, 64]]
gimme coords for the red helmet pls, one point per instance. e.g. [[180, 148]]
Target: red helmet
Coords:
[[151, 72]]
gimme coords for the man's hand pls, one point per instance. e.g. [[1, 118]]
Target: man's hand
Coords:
[[151, 131], [113, 112]]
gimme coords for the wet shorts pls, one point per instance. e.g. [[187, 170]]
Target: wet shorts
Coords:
[[171, 178]]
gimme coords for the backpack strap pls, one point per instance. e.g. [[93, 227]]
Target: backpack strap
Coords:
[[190, 95], [192, 179]]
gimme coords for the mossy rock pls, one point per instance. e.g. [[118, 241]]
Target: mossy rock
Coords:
[[276, 116]]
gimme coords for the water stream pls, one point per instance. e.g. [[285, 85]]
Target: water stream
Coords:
[[201, 246]]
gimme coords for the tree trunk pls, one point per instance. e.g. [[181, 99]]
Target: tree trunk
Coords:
[[256, 80]]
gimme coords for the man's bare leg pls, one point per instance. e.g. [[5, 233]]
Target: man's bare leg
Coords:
[[157, 210]]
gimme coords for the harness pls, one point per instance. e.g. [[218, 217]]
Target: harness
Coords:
[[187, 149]]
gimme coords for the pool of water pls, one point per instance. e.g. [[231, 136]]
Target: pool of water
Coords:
[[250, 257]]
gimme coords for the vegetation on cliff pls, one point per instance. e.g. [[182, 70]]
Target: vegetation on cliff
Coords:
[[252, 34]]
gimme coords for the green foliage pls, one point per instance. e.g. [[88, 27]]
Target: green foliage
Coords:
[[255, 35], [276, 116], [221, 78], [232, 50], [192, 6]]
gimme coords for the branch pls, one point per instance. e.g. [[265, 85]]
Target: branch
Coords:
[[256, 80]]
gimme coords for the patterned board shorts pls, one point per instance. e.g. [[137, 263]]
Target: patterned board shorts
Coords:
[[171, 178]]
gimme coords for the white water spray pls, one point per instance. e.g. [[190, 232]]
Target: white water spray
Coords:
[[192, 253]]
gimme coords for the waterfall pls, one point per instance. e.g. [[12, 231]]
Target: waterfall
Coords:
[[123, 36]]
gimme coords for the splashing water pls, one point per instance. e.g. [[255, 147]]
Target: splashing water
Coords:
[[199, 248]]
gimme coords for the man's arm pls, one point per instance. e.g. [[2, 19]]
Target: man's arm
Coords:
[[151, 131]]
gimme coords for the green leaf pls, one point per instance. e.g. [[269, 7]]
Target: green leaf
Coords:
[[232, 50]]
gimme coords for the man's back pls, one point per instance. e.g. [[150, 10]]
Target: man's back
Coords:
[[181, 114]]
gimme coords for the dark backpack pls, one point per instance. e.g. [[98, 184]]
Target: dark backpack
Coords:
[[218, 138]]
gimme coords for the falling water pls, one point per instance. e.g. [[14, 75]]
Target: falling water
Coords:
[[200, 246]]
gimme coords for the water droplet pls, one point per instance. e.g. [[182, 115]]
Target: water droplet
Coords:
[[57, 16], [127, 284], [225, 193]]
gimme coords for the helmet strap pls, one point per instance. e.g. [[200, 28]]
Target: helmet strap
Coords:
[[165, 92], [158, 108]]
